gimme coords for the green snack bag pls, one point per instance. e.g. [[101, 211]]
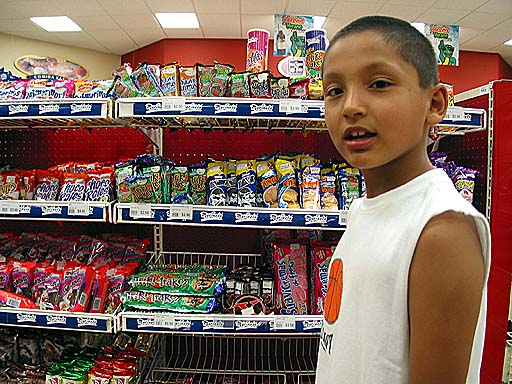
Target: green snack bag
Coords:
[[156, 176], [141, 189], [219, 83], [239, 84], [179, 185], [205, 74], [124, 171], [169, 302], [197, 186]]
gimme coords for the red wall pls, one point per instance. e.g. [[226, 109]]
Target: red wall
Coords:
[[475, 68]]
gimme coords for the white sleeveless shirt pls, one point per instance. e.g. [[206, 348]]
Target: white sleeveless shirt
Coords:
[[365, 334]]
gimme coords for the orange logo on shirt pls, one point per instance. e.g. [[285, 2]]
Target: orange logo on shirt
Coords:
[[334, 292]]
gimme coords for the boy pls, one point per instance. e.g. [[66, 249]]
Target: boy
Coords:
[[406, 299]]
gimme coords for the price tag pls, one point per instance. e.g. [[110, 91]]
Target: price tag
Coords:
[[455, 113], [290, 106], [176, 104], [343, 218], [78, 208], [9, 207], [141, 210], [165, 321], [284, 322], [181, 212]]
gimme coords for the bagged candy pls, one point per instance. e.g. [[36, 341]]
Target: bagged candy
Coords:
[[122, 88], [156, 177], [231, 185], [147, 79], [216, 183], [348, 181], [47, 294], [299, 89], [267, 177], [315, 89], [21, 278], [205, 74], [279, 87], [169, 83], [246, 183], [76, 289], [73, 187], [464, 181], [321, 257], [219, 83], [179, 185], [98, 186], [288, 192], [92, 89], [47, 186], [188, 81], [13, 300], [168, 302], [141, 189], [197, 185], [49, 89], [29, 185], [328, 199], [239, 84], [259, 85], [10, 185], [123, 172], [13, 90], [310, 187]]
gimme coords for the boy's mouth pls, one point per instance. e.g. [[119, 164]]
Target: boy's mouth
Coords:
[[358, 135]]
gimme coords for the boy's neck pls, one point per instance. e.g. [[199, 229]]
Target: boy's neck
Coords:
[[386, 178]]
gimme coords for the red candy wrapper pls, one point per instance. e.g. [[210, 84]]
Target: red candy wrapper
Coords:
[[5, 276], [47, 295], [73, 187], [76, 289], [99, 291], [290, 268], [321, 257], [21, 278], [13, 300], [99, 186], [47, 185], [10, 185]]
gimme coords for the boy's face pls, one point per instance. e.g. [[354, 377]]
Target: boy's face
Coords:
[[375, 109]]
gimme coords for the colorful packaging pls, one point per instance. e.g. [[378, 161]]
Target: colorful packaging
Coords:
[[310, 187], [246, 183], [279, 87], [239, 84], [464, 181], [257, 50], [98, 186], [76, 289], [328, 199], [47, 187], [259, 85], [147, 79], [10, 185], [92, 89], [231, 185], [197, 184], [168, 302], [216, 191], [29, 185], [299, 89], [5, 276], [315, 52], [316, 89], [348, 180], [179, 185], [13, 90], [219, 84], [169, 83], [205, 75], [49, 89], [122, 88], [123, 172], [290, 268], [156, 177], [21, 278], [47, 294], [321, 257], [188, 81], [141, 189], [267, 177], [73, 187], [13, 300], [288, 191]]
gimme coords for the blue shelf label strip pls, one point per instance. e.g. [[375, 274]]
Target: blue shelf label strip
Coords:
[[70, 110], [55, 212], [54, 321]]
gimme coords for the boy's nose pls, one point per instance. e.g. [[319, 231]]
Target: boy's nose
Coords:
[[354, 105]]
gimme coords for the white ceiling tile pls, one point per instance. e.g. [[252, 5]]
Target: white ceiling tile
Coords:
[[482, 20], [467, 5], [334, 24], [485, 41], [226, 7], [196, 33], [257, 21], [505, 26], [409, 13], [124, 7], [411, 2], [94, 22], [109, 37], [9, 11], [466, 33], [145, 36], [30, 8], [497, 6], [138, 21], [216, 27], [262, 7], [40, 35], [81, 8], [16, 25], [442, 16], [170, 5], [354, 10], [308, 7]]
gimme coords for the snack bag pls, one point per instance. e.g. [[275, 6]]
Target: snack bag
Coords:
[[188, 81], [219, 83], [321, 257], [348, 180], [169, 83], [259, 85], [464, 181], [197, 185], [49, 89], [216, 191], [231, 185], [279, 87], [29, 185], [13, 300], [288, 192], [10, 185], [46, 295], [124, 88], [156, 177], [21, 278], [299, 89], [246, 183], [5, 276], [179, 185], [239, 84], [47, 186], [168, 302], [13, 90], [92, 89], [73, 187], [315, 89], [205, 74], [76, 289], [328, 199], [267, 177], [290, 268], [99, 186], [141, 189], [147, 79], [310, 187], [123, 172], [99, 291]]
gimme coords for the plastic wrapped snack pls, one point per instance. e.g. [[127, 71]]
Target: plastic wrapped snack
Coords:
[[259, 85], [321, 253], [179, 185], [169, 79], [168, 302], [267, 177], [188, 81], [197, 186], [246, 183], [73, 187], [91, 89], [288, 192], [310, 187], [216, 183]]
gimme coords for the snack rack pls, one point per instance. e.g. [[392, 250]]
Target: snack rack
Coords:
[[187, 130]]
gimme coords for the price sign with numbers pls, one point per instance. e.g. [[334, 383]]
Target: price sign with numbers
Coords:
[[165, 321], [78, 208], [284, 322], [181, 212], [290, 106], [9, 207], [455, 113], [141, 211], [176, 104], [343, 218]]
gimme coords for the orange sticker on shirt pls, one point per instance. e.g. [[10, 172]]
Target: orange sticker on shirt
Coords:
[[334, 292]]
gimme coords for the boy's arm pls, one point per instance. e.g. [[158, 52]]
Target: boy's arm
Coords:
[[445, 290]]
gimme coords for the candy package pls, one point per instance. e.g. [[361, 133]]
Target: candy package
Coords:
[[205, 75], [141, 189], [49, 89], [219, 82], [169, 83], [197, 186], [321, 253], [216, 183], [188, 81], [279, 87], [246, 183], [464, 181], [168, 302], [10, 185], [13, 90], [268, 180], [99, 186], [259, 85], [288, 192], [47, 186], [179, 185], [73, 187], [92, 89], [310, 187], [146, 78], [299, 89], [76, 289], [231, 184], [239, 84]]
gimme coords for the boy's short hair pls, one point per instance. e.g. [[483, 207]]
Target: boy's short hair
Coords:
[[408, 41]]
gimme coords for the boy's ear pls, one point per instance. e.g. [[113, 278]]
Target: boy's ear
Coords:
[[438, 105]]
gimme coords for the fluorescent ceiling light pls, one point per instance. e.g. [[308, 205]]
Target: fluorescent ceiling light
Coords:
[[509, 42], [318, 21], [420, 27], [177, 20], [56, 23]]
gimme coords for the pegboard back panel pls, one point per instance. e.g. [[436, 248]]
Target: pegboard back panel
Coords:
[[186, 147], [41, 149]]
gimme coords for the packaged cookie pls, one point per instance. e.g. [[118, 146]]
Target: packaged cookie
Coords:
[[47, 295], [10, 185], [321, 253], [216, 190], [49, 89], [288, 191], [5, 276], [259, 85], [21, 278], [268, 180], [231, 184], [188, 81], [299, 89], [310, 187], [47, 186], [76, 289], [179, 185], [279, 87], [315, 89], [147, 79], [246, 183], [328, 198], [239, 84], [169, 83], [219, 84], [92, 89], [197, 184], [121, 88], [73, 187], [205, 74]]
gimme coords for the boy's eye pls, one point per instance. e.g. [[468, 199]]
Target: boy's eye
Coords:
[[334, 92], [379, 84]]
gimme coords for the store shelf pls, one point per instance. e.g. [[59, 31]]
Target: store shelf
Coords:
[[57, 113], [220, 324], [55, 210], [204, 215], [90, 322], [459, 121]]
